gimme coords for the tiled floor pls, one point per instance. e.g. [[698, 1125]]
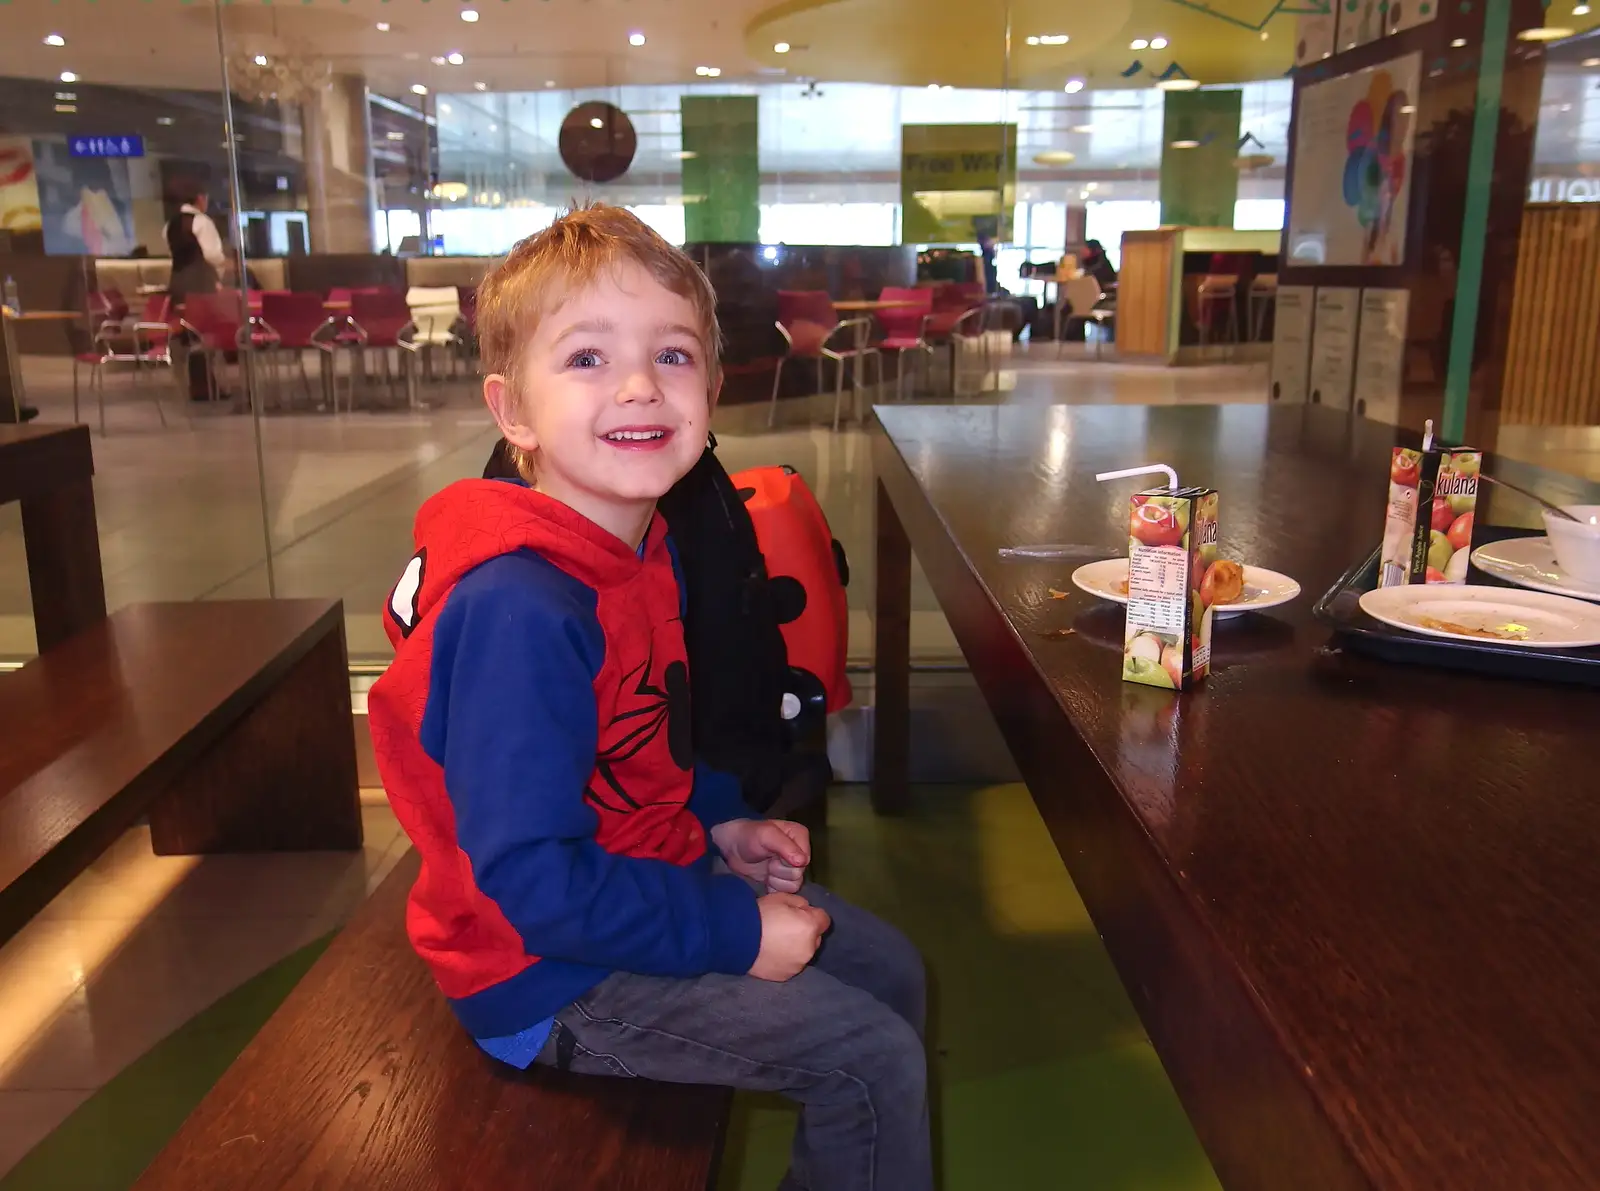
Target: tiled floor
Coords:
[[131, 995], [181, 516]]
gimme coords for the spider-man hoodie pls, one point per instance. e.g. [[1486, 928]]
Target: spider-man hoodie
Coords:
[[533, 736]]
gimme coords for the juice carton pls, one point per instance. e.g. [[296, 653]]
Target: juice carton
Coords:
[[1172, 542], [1427, 532]]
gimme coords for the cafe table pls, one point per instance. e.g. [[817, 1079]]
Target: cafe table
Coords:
[[1354, 903], [12, 397]]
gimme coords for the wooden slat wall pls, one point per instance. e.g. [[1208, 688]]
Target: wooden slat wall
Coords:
[[1144, 288], [1553, 361]]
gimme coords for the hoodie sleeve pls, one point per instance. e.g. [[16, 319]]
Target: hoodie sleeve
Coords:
[[717, 797], [511, 719]]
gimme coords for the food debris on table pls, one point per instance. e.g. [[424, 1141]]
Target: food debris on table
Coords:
[[1057, 633], [1056, 595]]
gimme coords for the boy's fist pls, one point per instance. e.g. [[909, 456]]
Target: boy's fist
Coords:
[[772, 851], [791, 932]]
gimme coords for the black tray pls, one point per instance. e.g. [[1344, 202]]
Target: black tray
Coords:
[[1340, 610]]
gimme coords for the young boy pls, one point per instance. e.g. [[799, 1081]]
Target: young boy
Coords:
[[591, 898]]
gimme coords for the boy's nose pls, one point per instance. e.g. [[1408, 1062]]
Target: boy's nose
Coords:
[[639, 387]]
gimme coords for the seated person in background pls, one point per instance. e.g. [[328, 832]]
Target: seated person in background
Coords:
[[590, 897], [1096, 263]]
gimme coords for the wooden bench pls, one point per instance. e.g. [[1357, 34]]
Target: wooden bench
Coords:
[[363, 1081], [226, 723]]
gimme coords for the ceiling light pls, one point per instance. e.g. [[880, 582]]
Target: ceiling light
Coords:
[[395, 136], [418, 89], [69, 96], [383, 26], [1033, 41], [1183, 144], [549, 82], [1091, 186], [596, 122], [469, 15], [480, 86], [1547, 33], [1073, 86], [66, 108], [444, 109], [1580, 10], [1053, 39], [713, 72], [933, 86], [494, 128], [437, 59], [455, 58], [1055, 157], [1407, 109], [1178, 84], [1591, 61], [1139, 43], [1158, 43], [685, 154], [781, 47], [260, 60], [636, 39], [1081, 128], [54, 39], [1458, 43], [68, 77]]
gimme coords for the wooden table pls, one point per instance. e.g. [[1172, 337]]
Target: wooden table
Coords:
[[1354, 903], [11, 391], [50, 471]]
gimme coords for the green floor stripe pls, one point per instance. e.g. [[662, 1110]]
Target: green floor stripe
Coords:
[[113, 1135]]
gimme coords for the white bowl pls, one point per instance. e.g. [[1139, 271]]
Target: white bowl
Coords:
[[1577, 543]]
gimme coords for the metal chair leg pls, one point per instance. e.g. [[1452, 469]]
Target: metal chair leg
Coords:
[[97, 381], [74, 390], [772, 409], [838, 391]]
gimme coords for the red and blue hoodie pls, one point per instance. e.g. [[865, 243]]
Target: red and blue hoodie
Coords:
[[533, 737]]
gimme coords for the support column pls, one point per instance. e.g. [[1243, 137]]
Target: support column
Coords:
[[338, 158]]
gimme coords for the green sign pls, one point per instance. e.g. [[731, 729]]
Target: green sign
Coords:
[[1199, 141], [957, 180], [721, 170]]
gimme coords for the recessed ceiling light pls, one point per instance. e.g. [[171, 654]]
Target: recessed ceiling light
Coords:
[[1407, 109], [494, 127], [1580, 10], [685, 154], [455, 58], [54, 39], [1073, 86], [1158, 43], [933, 86], [1184, 144], [395, 136], [1091, 186], [713, 72], [1178, 84], [596, 122], [469, 15], [780, 47], [1033, 41], [383, 26], [1591, 61], [1139, 43], [1458, 43], [1055, 157], [437, 59], [444, 109], [164, 121], [549, 82], [636, 39], [260, 60], [1053, 39], [1547, 33], [68, 76], [66, 108], [418, 89], [480, 86], [1081, 128]]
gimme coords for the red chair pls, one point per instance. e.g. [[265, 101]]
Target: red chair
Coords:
[[382, 319], [217, 322], [295, 322], [905, 328], [808, 323], [118, 338]]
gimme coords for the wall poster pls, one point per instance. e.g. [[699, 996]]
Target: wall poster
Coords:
[[957, 180], [1291, 344], [1351, 184], [1333, 345], [1380, 353]]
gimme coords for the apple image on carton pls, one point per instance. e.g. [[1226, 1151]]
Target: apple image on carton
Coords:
[[1155, 525]]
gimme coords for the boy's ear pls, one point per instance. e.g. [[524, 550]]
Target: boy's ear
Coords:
[[716, 391], [509, 412]]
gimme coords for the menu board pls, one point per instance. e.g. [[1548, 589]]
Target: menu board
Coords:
[[1333, 345], [1380, 353], [1351, 186], [1291, 343]]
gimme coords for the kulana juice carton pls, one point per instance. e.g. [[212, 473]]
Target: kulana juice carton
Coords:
[[1172, 544], [1427, 531]]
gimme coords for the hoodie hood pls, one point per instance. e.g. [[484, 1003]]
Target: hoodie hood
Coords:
[[472, 521]]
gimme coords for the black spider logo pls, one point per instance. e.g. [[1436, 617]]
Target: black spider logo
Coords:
[[630, 731]]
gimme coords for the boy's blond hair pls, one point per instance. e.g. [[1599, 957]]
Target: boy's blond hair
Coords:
[[578, 248]]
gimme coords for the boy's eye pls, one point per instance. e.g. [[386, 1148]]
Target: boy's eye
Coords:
[[674, 355], [584, 359]]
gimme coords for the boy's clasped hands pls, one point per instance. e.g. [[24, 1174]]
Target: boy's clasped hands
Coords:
[[776, 852]]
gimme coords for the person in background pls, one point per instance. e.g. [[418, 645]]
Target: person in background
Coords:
[[197, 265], [1096, 263]]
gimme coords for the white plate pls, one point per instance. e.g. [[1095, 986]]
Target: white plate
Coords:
[[1262, 588], [1548, 621], [1530, 562]]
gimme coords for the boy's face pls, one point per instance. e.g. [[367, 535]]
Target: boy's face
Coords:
[[615, 398]]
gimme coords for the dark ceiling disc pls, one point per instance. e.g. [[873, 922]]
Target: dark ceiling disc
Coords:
[[598, 142]]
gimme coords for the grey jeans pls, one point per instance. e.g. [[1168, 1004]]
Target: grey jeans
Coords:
[[843, 1039]]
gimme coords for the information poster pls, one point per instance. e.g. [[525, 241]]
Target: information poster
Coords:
[[957, 180], [1333, 345], [1199, 140], [721, 169], [1380, 353], [1313, 36], [19, 192], [1352, 166], [1291, 343], [85, 203]]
